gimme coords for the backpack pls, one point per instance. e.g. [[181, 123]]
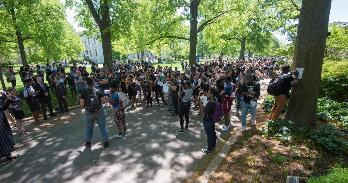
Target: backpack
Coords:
[[93, 103], [123, 98], [218, 114], [274, 86], [115, 100]]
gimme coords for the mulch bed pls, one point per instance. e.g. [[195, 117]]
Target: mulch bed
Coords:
[[255, 158]]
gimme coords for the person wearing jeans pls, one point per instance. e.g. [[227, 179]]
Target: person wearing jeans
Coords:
[[92, 101], [100, 117], [248, 108], [251, 92]]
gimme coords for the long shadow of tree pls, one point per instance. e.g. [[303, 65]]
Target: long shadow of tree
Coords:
[[152, 152]]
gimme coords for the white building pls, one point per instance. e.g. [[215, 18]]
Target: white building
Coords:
[[93, 49]]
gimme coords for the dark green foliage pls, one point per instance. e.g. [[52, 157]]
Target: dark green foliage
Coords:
[[334, 81], [268, 103], [336, 175], [331, 110], [331, 139], [282, 129]]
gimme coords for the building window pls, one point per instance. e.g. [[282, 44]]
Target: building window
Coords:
[[96, 54]]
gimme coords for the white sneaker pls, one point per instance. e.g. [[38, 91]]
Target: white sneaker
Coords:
[[224, 128]]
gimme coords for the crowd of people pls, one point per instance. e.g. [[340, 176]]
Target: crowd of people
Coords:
[[210, 88]]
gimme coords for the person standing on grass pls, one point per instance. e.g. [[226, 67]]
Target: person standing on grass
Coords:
[[11, 76], [44, 98], [72, 77], [208, 122], [119, 110], [251, 92], [61, 92], [184, 106], [91, 100], [6, 136], [16, 109], [30, 96]]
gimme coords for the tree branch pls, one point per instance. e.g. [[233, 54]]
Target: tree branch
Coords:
[[210, 21], [94, 12], [227, 38], [166, 37], [295, 5], [7, 41]]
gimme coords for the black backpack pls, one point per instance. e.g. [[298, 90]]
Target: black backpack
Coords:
[[274, 86], [93, 103]]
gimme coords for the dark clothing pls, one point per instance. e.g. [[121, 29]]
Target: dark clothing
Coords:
[[184, 111], [247, 88], [16, 108], [209, 128], [87, 93], [6, 137], [62, 97], [209, 109], [45, 101], [285, 85]]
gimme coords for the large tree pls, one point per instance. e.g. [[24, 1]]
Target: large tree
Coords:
[[38, 29], [309, 53], [108, 18]]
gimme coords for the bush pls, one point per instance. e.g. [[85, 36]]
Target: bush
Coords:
[[331, 139], [331, 110], [336, 175], [268, 103], [282, 129], [334, 81]]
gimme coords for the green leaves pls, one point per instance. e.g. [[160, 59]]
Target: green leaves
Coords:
[[47, 34]]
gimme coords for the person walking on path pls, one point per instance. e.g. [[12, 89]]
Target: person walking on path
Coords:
[[251, 92], [91, 100]]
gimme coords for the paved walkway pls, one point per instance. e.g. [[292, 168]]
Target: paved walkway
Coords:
[[151, 152]]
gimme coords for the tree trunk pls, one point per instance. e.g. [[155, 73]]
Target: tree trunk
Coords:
[[107, 47], [2, 80], [19, 36], [20, 42], [193, 31], [242, 48], [309, 52]]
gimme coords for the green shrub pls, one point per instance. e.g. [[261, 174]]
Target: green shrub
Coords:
[[330, 138], [282, 129], [268, 103], [331, 110], [336, 175], [334, 81]]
